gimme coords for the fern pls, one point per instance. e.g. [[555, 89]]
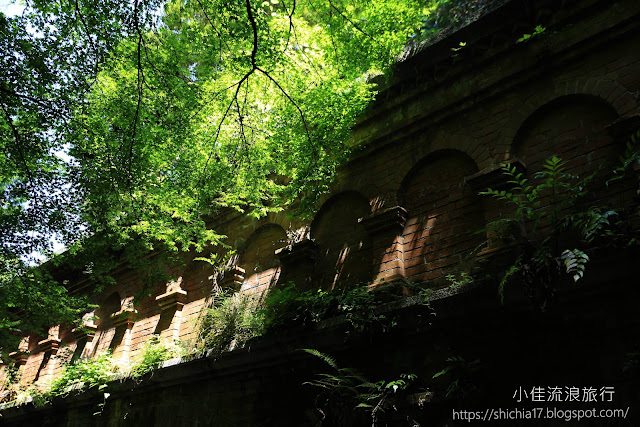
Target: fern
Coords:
[[551, 201], [322, 356], [346, 389], [591, 223], [630, 157], [511, 271], [575, 261]]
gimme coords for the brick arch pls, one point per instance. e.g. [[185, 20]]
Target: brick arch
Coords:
[[109, 305], [571, 127], [344, 246], [619, 98], [443, 215], [361, 186], [283, 220], [259, 260], [459, 143]]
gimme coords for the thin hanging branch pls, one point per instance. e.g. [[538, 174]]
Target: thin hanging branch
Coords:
[[346, 18]]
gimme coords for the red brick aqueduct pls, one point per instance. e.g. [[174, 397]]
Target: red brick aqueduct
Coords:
[[406, 208]]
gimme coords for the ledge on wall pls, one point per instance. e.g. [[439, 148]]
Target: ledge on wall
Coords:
[[124, 316], [19, 357], [175, 298], [50, 345], [494, 176], [87, 330], [233, 278]]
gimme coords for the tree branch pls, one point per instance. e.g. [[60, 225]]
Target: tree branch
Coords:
[[349, 20], [254, 28]]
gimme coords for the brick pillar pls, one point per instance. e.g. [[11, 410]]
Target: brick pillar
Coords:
[[49, 347], [125, 318], [171, 303], [385, 229], [494, 178]]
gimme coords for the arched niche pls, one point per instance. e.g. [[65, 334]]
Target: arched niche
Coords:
[[443, 216], [571, 127], [106, 330], [344, 246], [259, 261], [574, 128]]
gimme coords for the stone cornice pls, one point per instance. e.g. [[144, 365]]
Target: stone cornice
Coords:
[[49, 345], [123, 317], [390, 219], [172, 299]]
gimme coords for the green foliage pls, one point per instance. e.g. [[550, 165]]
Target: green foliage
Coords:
[[346, 391], [286, 305], [628, 159], [574, 262], [235, 318], [9, 384], [154, 352], [231, 321], [545, 212], [513, 269], [124, 125], [458, 279], [539, 29], [32, 300], [217, 261], [459, 372], [85, 374], [593, 223]]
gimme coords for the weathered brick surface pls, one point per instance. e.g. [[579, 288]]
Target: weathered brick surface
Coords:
[[344, 247], [259, 260]]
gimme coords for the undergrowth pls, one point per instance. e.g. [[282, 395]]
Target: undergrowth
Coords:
[[346, 396], [229, 322]]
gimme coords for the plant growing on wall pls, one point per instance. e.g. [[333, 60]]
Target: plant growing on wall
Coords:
[[154, 352], [229, 322], [552, 227], [346, 395], [287, 305], [84, 374]]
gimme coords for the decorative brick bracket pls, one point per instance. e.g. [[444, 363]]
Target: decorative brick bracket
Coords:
[[493, 176], [622, 129], [384, 221], [19, 357], [304, 250], [172, 299], [87, 331], [385, 229], [126, 316], [298, 261], [50, 345], [232, 278]]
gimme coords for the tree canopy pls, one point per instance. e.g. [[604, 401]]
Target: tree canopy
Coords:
[[123, 125]]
